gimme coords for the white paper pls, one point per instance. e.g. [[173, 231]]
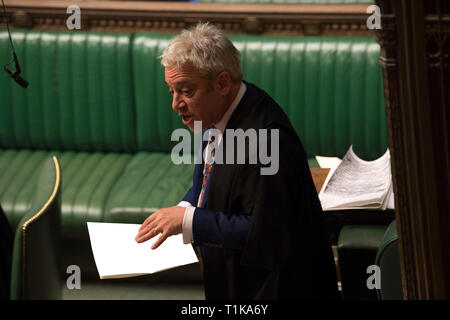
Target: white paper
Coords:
[[391, 199], [357, 183], [118, 255], [328, 162]]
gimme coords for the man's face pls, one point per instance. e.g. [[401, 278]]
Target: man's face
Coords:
[[195, 97]]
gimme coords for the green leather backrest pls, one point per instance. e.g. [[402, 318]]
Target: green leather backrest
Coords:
[[36, 253], [80, 95], [331, 89], [388, 260], [154, 124], [106, 92]]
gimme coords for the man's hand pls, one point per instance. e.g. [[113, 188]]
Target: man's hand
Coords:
[[167, 221]]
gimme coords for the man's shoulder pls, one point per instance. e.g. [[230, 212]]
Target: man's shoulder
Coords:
[[260, 110]]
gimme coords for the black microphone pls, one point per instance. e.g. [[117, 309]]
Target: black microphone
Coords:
[[14, 74]]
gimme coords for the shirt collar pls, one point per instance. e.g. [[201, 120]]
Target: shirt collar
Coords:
[[221, 125]]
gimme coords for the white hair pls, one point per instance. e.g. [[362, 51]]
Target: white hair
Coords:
[[207, 48]]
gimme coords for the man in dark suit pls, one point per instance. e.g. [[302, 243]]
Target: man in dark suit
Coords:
[[259, 228]]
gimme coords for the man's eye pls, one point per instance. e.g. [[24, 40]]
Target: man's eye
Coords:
[[186, 92]]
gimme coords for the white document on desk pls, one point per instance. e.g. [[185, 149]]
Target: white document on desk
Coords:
[[118, 255]]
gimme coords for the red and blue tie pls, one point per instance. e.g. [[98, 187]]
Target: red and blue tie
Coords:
[[209, 163]]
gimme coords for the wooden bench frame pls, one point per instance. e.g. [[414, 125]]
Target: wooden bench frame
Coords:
[[234, 18]]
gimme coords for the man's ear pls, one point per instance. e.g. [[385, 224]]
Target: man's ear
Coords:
[[224, 82]]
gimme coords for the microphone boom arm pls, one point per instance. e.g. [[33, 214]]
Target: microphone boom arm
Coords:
[[16, 74]]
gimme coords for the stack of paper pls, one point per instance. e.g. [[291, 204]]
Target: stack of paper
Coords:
[[358, 184], [118, 255]]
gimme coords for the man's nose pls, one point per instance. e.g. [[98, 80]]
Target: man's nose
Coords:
[[177, 102]]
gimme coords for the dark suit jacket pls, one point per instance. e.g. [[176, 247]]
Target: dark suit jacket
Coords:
[[262, 236]]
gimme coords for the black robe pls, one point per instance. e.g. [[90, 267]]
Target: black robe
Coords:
[[287, 253]]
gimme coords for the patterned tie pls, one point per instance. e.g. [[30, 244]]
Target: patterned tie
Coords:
[[209, 163]]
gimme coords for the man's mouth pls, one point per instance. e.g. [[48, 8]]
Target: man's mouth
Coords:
[[186, 119]]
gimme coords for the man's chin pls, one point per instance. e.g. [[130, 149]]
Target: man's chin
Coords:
[[197, 126], [191, 127]]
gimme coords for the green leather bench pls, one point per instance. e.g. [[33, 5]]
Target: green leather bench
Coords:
[[36, 252], [98, 102], [357, 248], [362, 246], [388, 260]]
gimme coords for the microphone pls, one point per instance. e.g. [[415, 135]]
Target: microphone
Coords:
[[14, 74]]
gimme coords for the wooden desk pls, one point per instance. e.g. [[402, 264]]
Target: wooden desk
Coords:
[[335, 220], [319, 175]]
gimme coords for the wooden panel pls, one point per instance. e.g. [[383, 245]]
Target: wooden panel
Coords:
[[414, 55], [235, 18]]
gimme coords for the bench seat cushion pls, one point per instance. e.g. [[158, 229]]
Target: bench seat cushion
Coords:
[[104, 187], [149, 182]]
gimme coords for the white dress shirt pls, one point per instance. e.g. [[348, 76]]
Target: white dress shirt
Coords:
[[221, 125]]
